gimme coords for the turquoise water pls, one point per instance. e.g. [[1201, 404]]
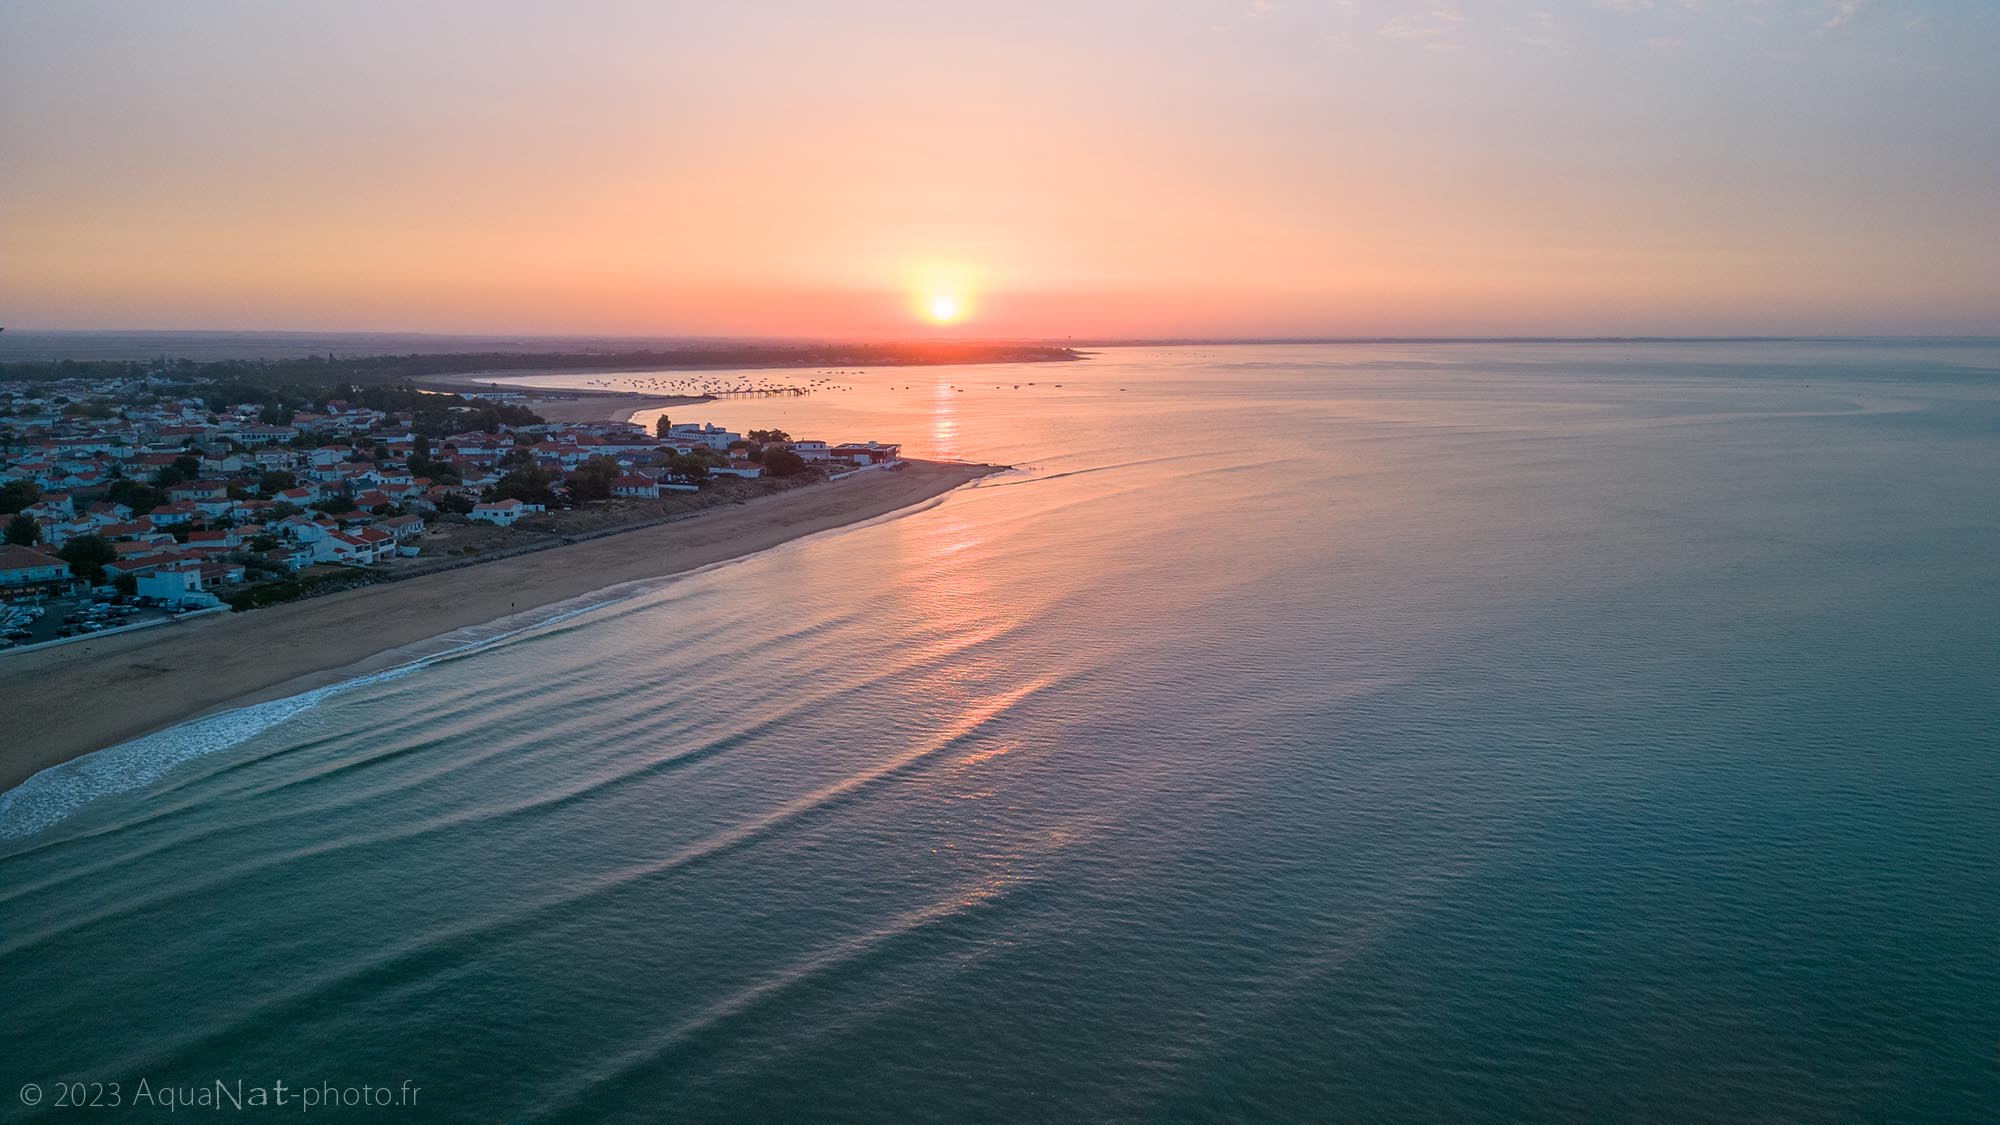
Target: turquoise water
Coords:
[[1454, 732]]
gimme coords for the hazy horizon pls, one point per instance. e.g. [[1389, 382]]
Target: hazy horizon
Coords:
[[1396, 168], [207, 345]]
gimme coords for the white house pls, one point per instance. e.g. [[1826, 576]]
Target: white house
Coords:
[[868, 452], [710, 435], [176, 586], [404, 527], [504, 512], [359, 547], [304, 529]]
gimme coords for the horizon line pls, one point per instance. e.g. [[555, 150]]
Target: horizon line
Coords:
[[496, 337]]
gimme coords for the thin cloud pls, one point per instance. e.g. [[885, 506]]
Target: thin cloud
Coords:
[[1436, 26], [1840, 13]]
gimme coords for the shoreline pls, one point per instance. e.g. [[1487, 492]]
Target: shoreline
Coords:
[[123, 687]]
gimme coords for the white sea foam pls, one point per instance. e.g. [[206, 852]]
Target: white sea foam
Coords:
[[56, 793]]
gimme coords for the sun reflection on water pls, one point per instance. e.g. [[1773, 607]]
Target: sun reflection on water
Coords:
[[944, 422]]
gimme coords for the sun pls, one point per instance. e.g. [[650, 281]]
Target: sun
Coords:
[[943, 294]]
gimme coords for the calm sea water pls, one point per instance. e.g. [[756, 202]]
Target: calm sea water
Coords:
[[1463, 733]]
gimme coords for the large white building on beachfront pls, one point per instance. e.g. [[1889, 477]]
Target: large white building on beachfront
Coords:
[[504, 512], [709, 434]]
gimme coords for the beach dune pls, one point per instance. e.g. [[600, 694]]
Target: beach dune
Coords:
[[92, 694]]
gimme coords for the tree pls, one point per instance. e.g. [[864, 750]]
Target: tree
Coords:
[[782, 461], [133, 495], [687, 466], [662, 427], [336, 505], [592, 479], [17, 494], [275, 481], [454, 504], [585, 487], [86, 555], [263, 566], [529, 484], [23, 531], [766, 437]]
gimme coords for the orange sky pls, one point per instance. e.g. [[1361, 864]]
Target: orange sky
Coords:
[[1395, 167]]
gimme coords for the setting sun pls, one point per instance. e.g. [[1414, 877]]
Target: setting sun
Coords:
[[941, 292]]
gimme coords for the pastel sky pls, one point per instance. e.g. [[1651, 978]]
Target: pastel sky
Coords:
[[1083, 168]]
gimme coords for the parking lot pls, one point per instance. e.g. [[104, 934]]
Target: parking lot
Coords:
[[34, 623]]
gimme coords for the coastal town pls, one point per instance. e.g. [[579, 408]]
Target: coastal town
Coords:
[[139, 499]]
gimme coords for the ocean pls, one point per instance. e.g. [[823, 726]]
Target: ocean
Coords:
[[1440, 732]]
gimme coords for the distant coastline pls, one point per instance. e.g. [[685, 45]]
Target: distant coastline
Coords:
[[1317, 341], [390, 358], [21, 344]]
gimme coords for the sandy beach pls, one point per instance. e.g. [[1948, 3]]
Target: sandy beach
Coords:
[[562, 404], [97, 693], [610, 406]]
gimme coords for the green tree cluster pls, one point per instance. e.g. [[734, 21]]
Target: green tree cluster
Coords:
[[86, 556], [23, 531], [782, 461], [16, 495]]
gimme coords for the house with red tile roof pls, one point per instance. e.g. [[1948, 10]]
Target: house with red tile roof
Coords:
[[635, 486]]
